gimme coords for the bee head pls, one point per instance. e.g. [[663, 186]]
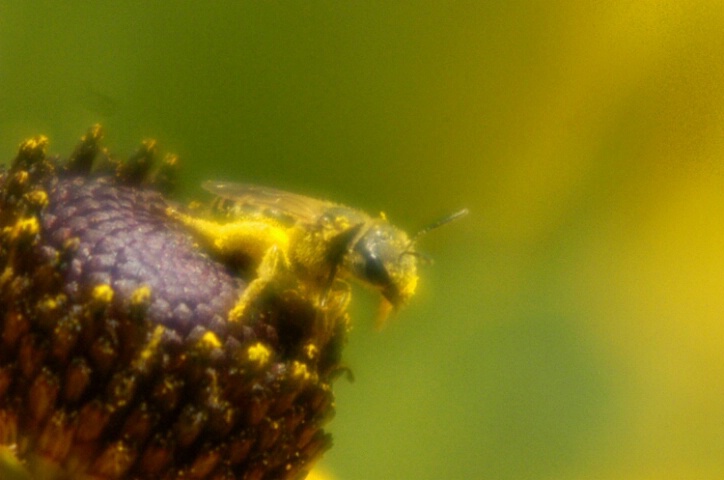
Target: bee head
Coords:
[[379, 259], [383, 257]]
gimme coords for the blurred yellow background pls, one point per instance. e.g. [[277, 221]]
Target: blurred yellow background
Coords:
[[572, 327]]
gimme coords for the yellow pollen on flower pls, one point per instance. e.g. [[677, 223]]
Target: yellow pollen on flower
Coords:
[[38, 197], [51, 303], [149, 144], [170, 159], [21, 177], [38, 143], [150, 347], [141, 295], [300, 371], [25, 226], [259, 354], [103, 293], [211, 340], [311, 351], [318, 474], [96, 131]]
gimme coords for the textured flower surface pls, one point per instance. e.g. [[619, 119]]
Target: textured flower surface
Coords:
[[118, 359]]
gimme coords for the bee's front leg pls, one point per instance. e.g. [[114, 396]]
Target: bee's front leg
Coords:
[[274, 264]]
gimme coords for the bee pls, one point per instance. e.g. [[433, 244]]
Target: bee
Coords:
[[321, 243]]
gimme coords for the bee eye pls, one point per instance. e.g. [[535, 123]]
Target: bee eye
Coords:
[[375, 271]]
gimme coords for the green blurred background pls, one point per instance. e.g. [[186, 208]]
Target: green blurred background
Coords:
[[572, 327]]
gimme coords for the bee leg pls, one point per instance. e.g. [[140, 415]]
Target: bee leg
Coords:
[[272, 265], [336, 297], [332, 305]]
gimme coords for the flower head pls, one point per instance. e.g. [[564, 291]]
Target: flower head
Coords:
[[117, 357]]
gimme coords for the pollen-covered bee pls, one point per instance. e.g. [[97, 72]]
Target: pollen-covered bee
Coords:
[[319, 242]]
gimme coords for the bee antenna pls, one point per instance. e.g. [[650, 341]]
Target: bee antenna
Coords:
[[439, 223]]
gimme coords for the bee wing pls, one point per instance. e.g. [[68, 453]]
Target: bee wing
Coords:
[[303, 208]]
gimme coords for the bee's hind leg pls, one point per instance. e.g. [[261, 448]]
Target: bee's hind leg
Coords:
[[272, 264]]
